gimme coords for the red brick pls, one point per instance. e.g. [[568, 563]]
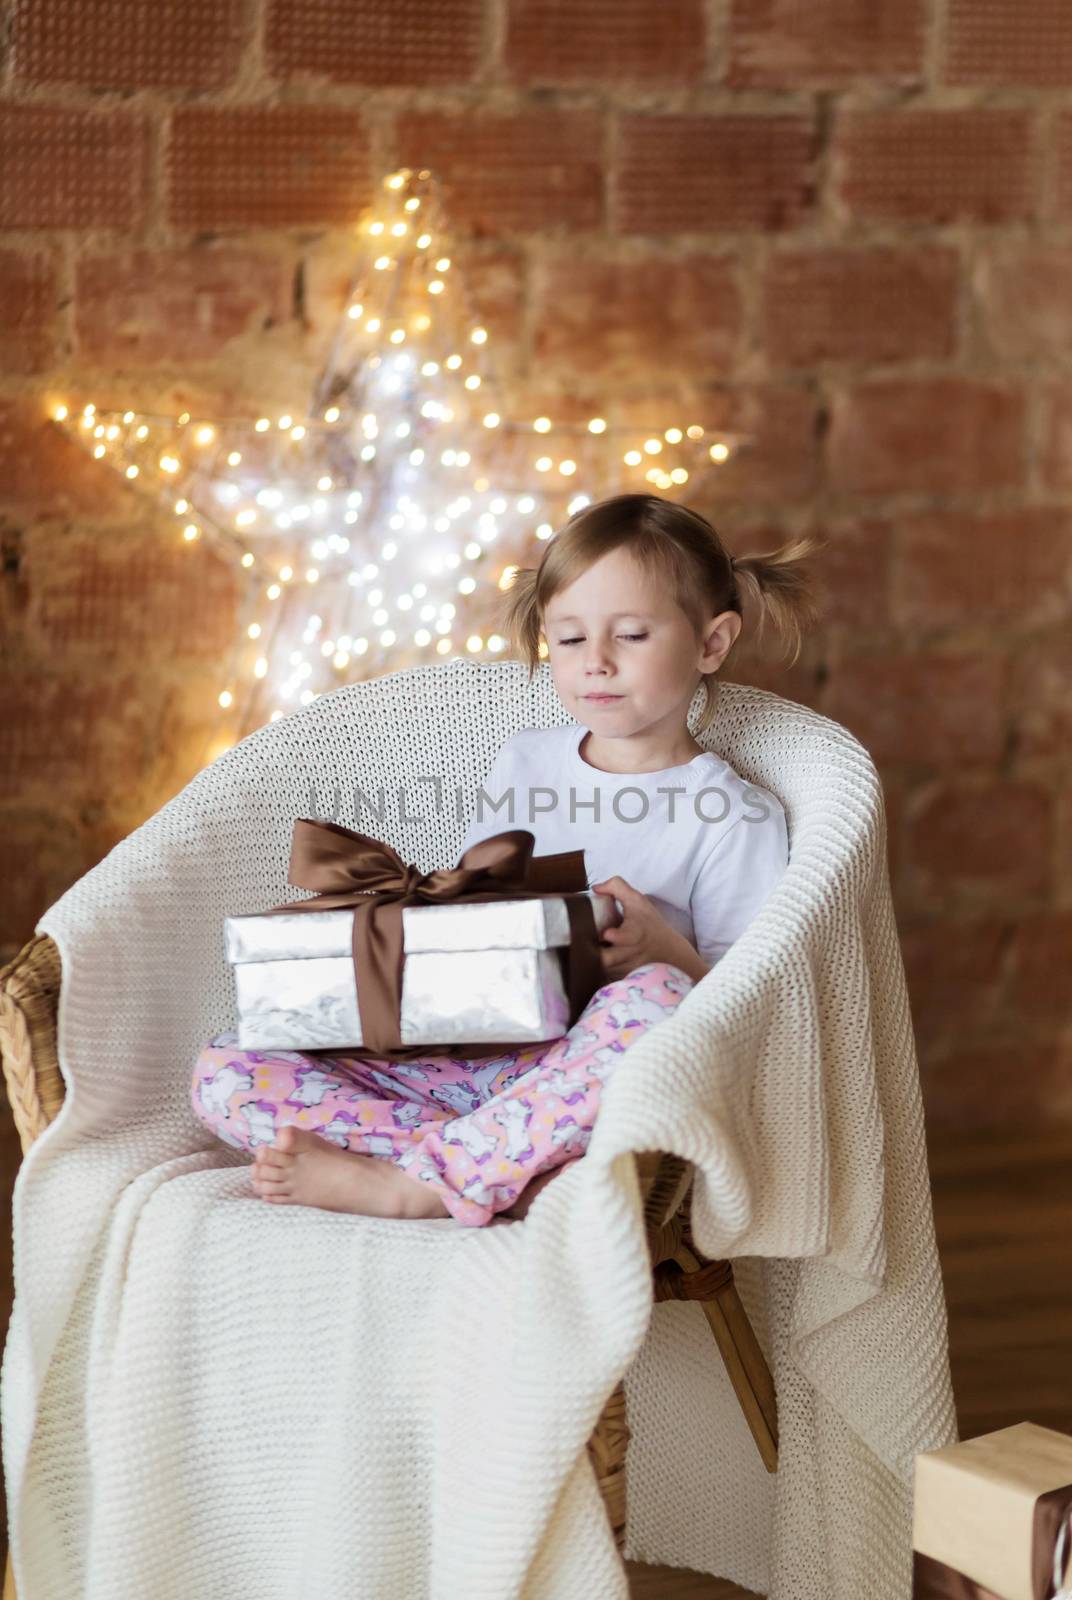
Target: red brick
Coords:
[[41, 467], [28, 296], [588, 41], [1001, 43], [1015, 1081], [977, 569], [764, 667], [933, 710], [80, 737], [779, 459], [1062, 139], [127, 44], [761, 660], [714, 174], [496, 284], [72, 169], [927, 435], [1041, 962], [954, 970], [615, 318], [494, 276], [988, 841], [859, 305], [144, 306], [1056, 454], [327, 270], [41, 854], [405, 42], [781, 463], [781, 44], [934, 166], [496, 292], [266, 166], [13, 593], [854, 570], [144, 591], [1024, 293], [535, 394], [1063, 875], [893, 795], [530, 171], [1041, 697], [197, 732]]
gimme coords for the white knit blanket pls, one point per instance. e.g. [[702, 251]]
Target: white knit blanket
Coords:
[[204, 1395]]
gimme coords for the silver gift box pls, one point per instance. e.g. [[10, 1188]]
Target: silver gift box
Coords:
[[489, 971]]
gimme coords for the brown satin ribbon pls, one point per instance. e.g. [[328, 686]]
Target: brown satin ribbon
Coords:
[[934, 1580], [347, 868]]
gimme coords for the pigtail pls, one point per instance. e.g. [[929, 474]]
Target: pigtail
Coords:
[[521, 617], [783, 589]]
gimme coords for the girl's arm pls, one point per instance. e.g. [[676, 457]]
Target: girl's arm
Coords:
[[691, 962], [643, 935]]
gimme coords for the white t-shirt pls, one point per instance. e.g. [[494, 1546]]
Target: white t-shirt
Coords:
[[704, 845]]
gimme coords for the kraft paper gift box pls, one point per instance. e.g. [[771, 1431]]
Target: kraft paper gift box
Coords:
[[497, 961], [992, 1517]]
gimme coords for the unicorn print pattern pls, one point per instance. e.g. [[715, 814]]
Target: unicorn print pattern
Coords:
[[477, 1130]]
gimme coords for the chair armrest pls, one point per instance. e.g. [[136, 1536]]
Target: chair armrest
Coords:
[[29, 1001], [664, 1184]]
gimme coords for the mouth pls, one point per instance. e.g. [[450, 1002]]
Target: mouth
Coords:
[[602, 699]]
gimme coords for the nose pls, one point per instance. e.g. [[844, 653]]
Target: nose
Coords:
[[597, 659]]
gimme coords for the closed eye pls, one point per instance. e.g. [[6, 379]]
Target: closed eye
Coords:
[[631, 636]]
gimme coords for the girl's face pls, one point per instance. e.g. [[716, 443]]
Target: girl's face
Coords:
[[613, 632]]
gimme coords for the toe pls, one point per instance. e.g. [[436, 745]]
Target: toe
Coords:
[[286, 1137], [271, 1191]]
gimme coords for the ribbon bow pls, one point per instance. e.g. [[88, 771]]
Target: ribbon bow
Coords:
[[346, 868]]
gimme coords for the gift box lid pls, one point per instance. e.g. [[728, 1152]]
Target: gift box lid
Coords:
[[540, 923], [974, 1503]]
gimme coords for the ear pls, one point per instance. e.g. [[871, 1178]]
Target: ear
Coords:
[[719, 636]]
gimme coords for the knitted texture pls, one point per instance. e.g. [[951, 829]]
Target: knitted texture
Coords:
[[203, 1394]]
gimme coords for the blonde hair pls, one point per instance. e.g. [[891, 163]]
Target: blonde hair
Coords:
[[679, 549]]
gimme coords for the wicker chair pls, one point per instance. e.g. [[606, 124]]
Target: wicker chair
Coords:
[[29, 997]]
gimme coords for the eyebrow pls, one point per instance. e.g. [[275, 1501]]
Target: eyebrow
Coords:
[[640, 616]]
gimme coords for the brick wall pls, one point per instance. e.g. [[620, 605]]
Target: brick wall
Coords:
[[847, 225]]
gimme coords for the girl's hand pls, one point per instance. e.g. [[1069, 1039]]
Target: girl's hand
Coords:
[[642, 935]]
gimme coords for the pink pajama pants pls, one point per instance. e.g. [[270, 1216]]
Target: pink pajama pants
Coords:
[[477, 1131]]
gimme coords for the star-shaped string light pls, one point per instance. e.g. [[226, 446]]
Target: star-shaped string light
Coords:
[[374, 525]]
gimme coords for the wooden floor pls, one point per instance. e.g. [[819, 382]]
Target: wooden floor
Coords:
[[1003, 1212], [1003, 1215]]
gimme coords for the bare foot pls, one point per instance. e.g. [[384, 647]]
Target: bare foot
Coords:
[[305, 1169]]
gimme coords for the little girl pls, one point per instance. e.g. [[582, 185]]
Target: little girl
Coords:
[[639, 603]]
